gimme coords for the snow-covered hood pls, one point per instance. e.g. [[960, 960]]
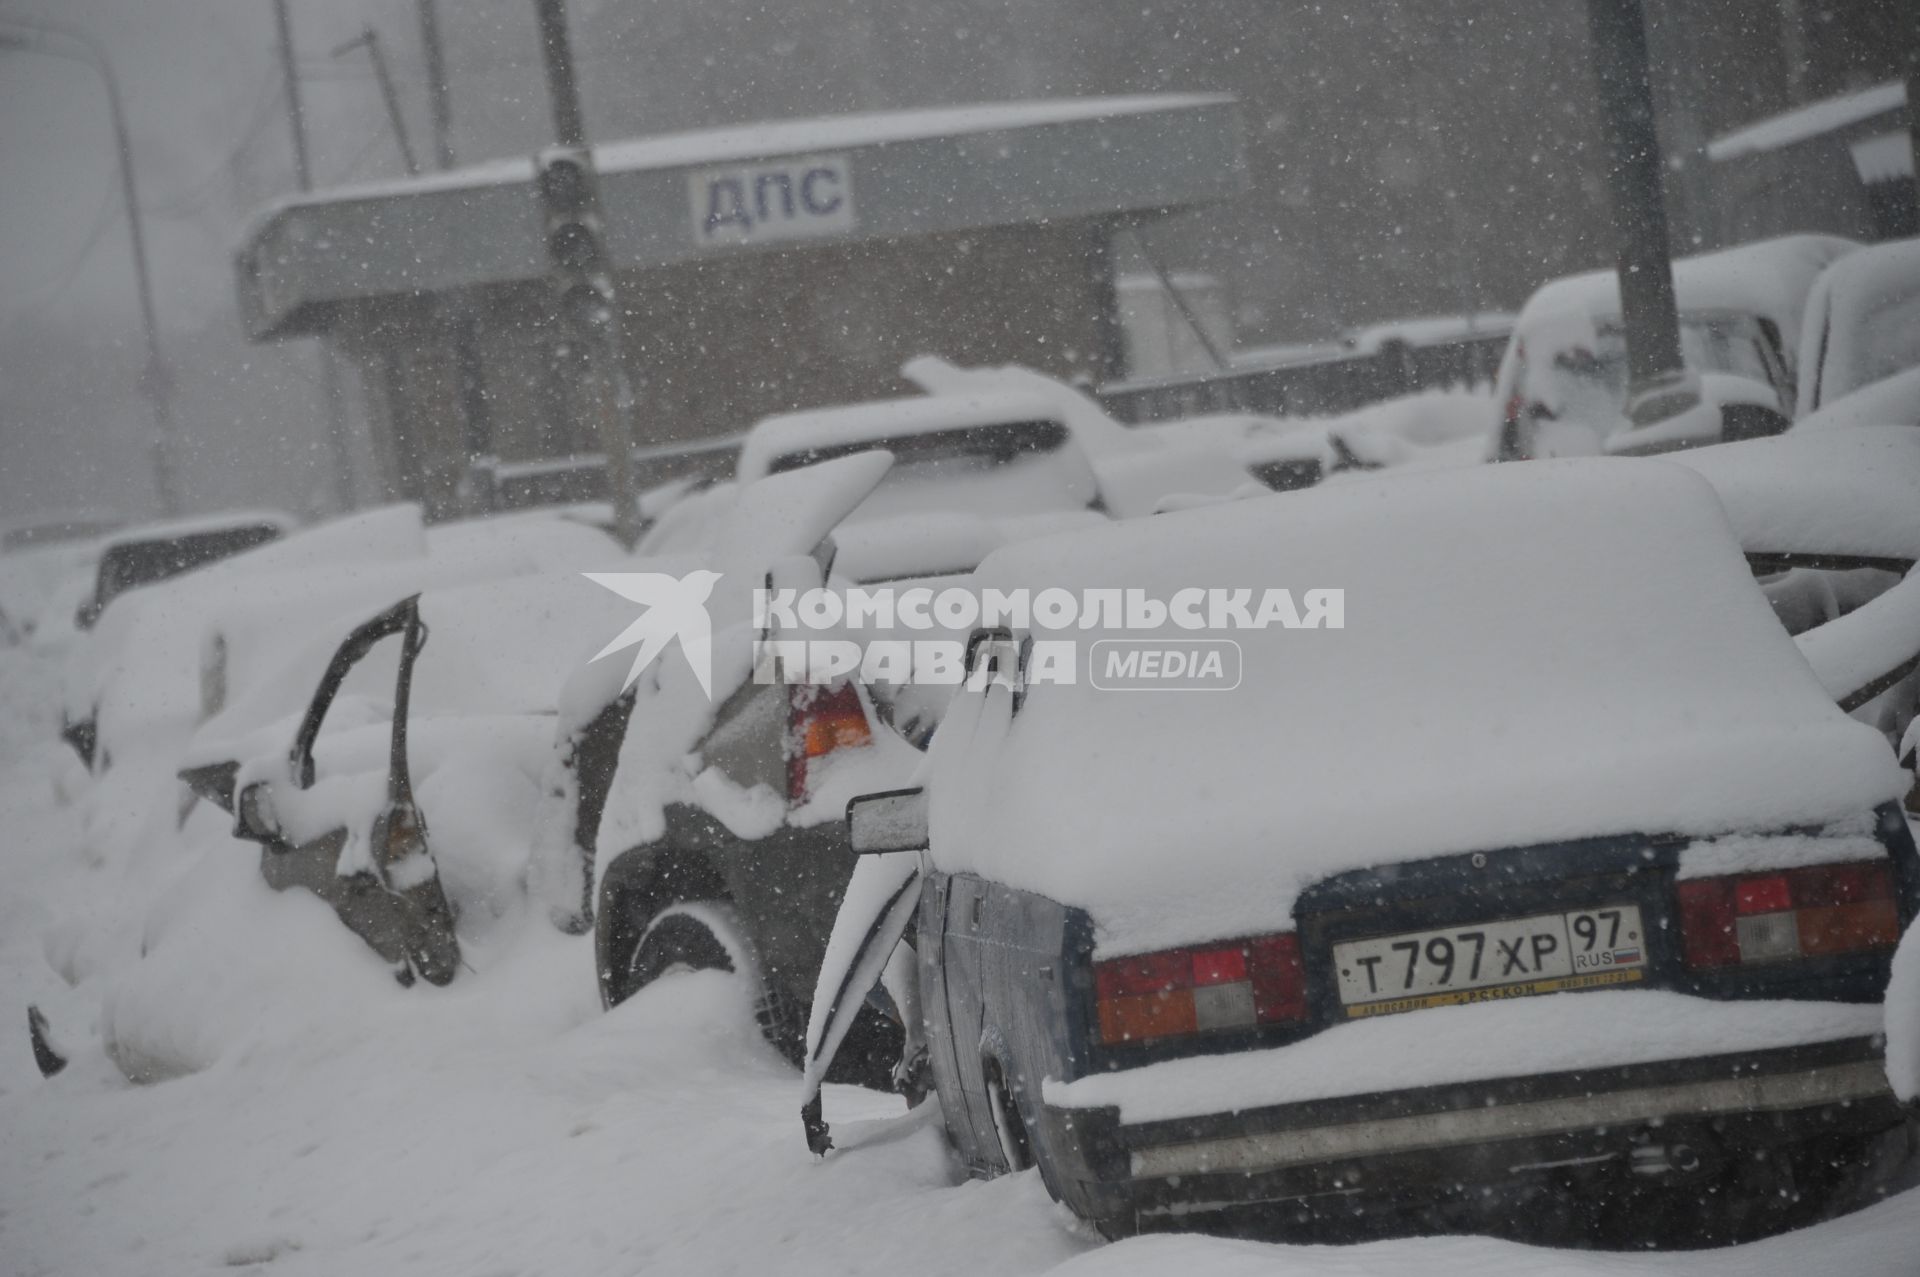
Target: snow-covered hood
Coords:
[[1530, 654]]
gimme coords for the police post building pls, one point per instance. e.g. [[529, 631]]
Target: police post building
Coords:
[[760, 269]]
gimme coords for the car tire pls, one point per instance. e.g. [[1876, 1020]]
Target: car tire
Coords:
[[694, 935]]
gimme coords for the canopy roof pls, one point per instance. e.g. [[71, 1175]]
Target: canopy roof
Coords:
[[901, 174]]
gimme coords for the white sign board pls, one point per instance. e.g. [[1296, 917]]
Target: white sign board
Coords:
[[798, 198]]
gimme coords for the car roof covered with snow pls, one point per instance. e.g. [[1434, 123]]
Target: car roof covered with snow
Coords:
[[1530, 654], [200, 525], [832, 431], [1768, 278]]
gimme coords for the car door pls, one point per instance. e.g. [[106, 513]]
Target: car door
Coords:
[[396, 903]]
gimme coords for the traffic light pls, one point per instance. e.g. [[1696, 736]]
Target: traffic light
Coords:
[[575, 236]]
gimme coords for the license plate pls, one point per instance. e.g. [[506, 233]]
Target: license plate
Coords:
[[1482, 962]]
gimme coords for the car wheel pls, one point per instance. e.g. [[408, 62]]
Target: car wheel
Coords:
[[700, 935]]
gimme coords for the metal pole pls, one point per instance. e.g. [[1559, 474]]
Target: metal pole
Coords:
[[370, 40], [438, 90], [303, 178], [459, 315], [1658, 383], [557, 52], [296, 117], [609, 393], [156, 380]]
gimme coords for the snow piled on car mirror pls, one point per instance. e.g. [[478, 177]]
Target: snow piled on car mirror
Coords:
[[1530, 654]]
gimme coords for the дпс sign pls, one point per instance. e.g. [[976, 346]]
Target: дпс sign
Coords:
[[796, 198]]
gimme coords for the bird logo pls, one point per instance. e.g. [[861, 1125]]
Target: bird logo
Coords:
[[676, 609]]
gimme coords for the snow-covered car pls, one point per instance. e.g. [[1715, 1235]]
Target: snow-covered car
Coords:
[[499, 486], [1429, 429], [136, 674], [157, 552], [745, 854], [1553, 892], [36, 580], [1562, 385], [1862, 326], [1830, 524], [998, 443], [467, 720], [247, 636], [707, 823], [1891, 401]]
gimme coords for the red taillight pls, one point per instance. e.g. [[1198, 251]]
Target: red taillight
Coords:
[[819, 721], [1239, 985], [1801, 913]]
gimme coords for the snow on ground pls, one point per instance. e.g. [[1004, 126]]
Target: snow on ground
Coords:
[[506, 1126]]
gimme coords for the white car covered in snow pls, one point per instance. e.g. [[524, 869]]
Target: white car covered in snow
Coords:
[[1562, 385], [1860, 345], [1551, 895], [721, 842]]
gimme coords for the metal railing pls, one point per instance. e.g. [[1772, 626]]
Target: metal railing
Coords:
[[1315, 388]]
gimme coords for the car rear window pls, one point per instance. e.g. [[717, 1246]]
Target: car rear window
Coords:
[[1589, 383], [964, 447], [136, 563], [1004, 468]]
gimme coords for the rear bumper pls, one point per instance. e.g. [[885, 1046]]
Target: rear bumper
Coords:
[[1677, 1119]]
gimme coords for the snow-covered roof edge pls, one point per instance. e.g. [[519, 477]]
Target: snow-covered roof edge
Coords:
[[1809, 121], [732, 143]]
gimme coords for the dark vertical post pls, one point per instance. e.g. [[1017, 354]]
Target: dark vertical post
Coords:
[[157, 380], [303, 178], [556, 50], [296, 117], [456, 317], [1658, 382], [392, 100], [369, 39], [438, 92], [581, 272]]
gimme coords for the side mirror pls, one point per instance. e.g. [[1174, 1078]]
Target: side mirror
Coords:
[[895, 820], [253, 817], [85, 615]]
